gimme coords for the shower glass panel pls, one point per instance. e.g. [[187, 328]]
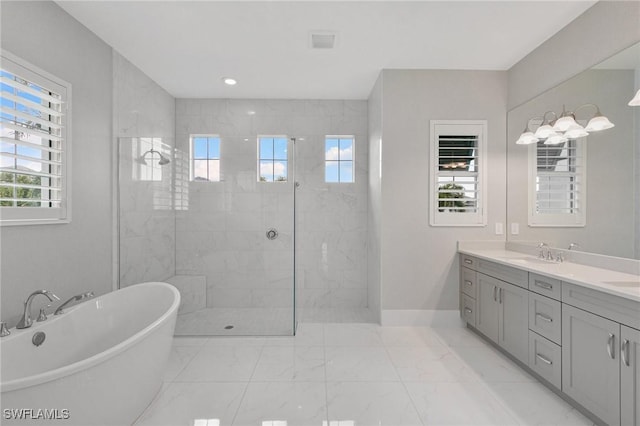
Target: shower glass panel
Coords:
[[229, 248]]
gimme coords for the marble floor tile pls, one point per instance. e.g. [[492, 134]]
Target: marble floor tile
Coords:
[[179, 358], [457, 404], [307, 334], [410, 336], [366, 363], [371, 404], [221, 363], [297, 403], [534, 404], [182, 403], [351, 375], [491, 365], [291, 363], [352, 335], [429, 364]]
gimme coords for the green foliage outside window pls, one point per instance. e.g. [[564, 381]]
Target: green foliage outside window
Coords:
[[21, 193]]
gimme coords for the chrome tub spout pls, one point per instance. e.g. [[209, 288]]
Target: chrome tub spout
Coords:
[[26, 321]]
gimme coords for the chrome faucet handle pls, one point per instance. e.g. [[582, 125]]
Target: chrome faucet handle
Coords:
[[4, 331], [542, 246], [43, 315]]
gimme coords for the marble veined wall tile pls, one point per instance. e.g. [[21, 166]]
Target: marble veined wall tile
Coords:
[[221, 229]]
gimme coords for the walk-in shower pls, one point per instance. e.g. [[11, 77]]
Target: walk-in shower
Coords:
[[236, 211], [227, 239]]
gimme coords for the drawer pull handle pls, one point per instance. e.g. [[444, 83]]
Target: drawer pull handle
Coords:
[[469, 283], [468, 310], [544, 285], [544, 359], [610, 342], [624, 350], [544, 317], [495, 296], [468, 261]]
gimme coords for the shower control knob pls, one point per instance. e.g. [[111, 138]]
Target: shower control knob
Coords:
[[272, 234]]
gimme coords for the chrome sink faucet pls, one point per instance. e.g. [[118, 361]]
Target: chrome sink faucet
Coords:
[[73, 299], [26, 321], [542, 246]]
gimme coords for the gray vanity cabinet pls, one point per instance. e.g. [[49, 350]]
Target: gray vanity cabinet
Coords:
[[590, 362], [502, 314], [630, 376]]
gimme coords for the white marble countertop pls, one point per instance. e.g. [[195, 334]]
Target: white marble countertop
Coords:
[[605, 280]]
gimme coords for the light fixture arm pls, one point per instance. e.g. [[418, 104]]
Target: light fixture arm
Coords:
[[597, 113]]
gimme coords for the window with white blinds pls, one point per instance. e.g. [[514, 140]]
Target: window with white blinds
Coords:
[[458, 167], [557, 185], [34, 144]]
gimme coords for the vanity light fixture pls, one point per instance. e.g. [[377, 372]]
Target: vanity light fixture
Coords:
[[636, 100], [565, 127]]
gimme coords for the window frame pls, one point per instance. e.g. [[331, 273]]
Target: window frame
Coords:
[[19, 216], [578, 218], [458, 128], [339, 161], [273, 159], [192, 157]]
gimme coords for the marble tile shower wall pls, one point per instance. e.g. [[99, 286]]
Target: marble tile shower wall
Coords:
[[220, 226], [144, 115]]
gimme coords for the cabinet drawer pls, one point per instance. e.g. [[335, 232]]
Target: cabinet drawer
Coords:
[[545, 317], [545, 358], [468, 261], [469, 310], [468, 282], [505, 273], [619, 309], [546, 286]]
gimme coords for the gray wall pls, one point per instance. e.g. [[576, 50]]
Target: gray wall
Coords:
[[69, 258], [603, 30], [418, 262]]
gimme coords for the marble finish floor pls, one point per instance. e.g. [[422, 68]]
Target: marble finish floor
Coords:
[[261, 321], [351, 375]]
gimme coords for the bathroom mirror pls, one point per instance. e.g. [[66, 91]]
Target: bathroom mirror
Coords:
[[611, 186]]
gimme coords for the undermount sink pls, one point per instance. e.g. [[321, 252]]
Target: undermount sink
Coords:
[[623, 283]]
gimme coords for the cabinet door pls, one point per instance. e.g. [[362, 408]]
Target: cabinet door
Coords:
[[590, 364], [487, 306], [513, 320], [630, 376]]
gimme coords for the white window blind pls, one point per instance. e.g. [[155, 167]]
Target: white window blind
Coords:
[[557, 190], [34, 144], [458, 164]]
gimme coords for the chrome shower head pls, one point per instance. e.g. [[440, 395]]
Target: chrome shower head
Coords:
[[163, 160]]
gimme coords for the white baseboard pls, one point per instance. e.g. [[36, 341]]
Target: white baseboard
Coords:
[[407, 317]]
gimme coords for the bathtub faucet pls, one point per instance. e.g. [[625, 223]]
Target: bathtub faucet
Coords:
[[73, 299], [26, 321]]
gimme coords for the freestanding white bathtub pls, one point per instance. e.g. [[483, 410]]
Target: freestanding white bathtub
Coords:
[[101, 362]]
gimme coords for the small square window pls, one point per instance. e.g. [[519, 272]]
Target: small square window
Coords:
[[205, 158], [272, 159], [339, 159]]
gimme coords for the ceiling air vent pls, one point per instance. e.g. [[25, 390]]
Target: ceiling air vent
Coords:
[[323, 40]]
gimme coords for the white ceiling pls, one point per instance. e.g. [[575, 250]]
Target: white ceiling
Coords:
[[188, 46]]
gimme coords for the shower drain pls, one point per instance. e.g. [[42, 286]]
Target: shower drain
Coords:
[[228, 327]]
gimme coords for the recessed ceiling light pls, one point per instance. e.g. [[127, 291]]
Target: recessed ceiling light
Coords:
[[229, 81]]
